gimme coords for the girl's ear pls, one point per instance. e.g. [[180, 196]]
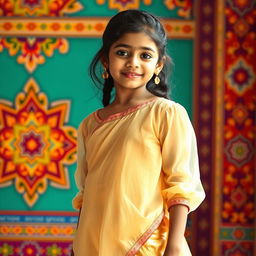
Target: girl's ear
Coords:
[[104, 62], [160, 65]]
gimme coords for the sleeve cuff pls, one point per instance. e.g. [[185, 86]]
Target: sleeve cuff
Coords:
[[178, 201]]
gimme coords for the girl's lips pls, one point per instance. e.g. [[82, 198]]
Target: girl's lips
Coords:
[[131, 74]]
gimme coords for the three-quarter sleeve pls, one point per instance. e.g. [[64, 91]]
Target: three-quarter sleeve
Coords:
[[180, 168], [81, 170]]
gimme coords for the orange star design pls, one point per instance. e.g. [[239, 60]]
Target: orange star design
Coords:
[[35, 144]]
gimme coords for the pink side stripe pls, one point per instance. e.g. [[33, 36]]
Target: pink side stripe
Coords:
[[145, 236]]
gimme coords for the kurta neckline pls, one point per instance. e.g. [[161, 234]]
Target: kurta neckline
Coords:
[[122, 113]]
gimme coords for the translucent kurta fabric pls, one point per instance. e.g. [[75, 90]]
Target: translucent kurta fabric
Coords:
[[131, 168]]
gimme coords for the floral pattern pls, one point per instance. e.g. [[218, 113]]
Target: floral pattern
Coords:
[[36, 144], [184, 7], [32, 51]]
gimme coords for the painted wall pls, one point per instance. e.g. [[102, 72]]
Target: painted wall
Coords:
[[65, 77], [45, 92], [214, 78]]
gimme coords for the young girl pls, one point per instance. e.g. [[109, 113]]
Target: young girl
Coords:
[[137, 170]]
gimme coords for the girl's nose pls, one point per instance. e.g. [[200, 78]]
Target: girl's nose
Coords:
[[133, 62]]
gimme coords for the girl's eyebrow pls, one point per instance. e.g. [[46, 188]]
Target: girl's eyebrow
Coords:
[[128, 46]]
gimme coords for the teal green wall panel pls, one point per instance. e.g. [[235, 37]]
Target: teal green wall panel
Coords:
[[12, 76], [181, 82], [65, 77]]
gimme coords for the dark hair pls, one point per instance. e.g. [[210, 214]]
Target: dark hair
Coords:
[[132, 21]]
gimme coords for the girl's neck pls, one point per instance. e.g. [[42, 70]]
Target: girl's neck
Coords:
[[134, 97]]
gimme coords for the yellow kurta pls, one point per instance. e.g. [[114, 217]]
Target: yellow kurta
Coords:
[[131, 168]]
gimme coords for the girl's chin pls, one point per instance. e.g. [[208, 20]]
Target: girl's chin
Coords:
[[130, 86]]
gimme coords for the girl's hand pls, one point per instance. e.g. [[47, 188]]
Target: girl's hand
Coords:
[[172, 251]]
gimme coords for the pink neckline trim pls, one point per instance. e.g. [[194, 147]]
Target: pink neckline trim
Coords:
[[121, 114]]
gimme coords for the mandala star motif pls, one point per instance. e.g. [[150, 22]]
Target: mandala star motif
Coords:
[[240, 76], [239, 150], [35, 144]]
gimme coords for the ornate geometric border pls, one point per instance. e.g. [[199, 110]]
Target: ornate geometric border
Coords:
[[80, 27], [219, 67], [34, 225], [36, 233], [237, 216], [203, 120], [210, 117]]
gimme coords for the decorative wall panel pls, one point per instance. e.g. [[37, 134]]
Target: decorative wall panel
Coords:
[[225, 121], [36, 144], [36, 233], [53, 43]]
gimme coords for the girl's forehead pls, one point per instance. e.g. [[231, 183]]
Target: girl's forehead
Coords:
[[136, 40]]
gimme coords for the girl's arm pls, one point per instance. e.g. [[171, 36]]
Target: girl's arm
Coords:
[[177, 226], [81, 170]]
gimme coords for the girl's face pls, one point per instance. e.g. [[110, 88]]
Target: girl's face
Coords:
[[133, 60]]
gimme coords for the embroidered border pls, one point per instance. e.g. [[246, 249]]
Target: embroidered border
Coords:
[[204, 82], [37, 232], [145, 236], [80, 27], [178, 200], [123, 113]]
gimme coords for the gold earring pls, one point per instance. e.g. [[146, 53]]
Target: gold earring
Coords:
[[105, 74], [157, 79]]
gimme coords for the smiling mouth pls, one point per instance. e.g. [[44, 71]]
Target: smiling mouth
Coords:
[[131, 74]]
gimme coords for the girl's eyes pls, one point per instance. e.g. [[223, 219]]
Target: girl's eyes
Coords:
[[146, 56], [124, 53]]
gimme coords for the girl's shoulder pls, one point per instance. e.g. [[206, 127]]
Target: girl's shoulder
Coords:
[[163, 105], [87, 118], [86, 123], [169, 113]]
